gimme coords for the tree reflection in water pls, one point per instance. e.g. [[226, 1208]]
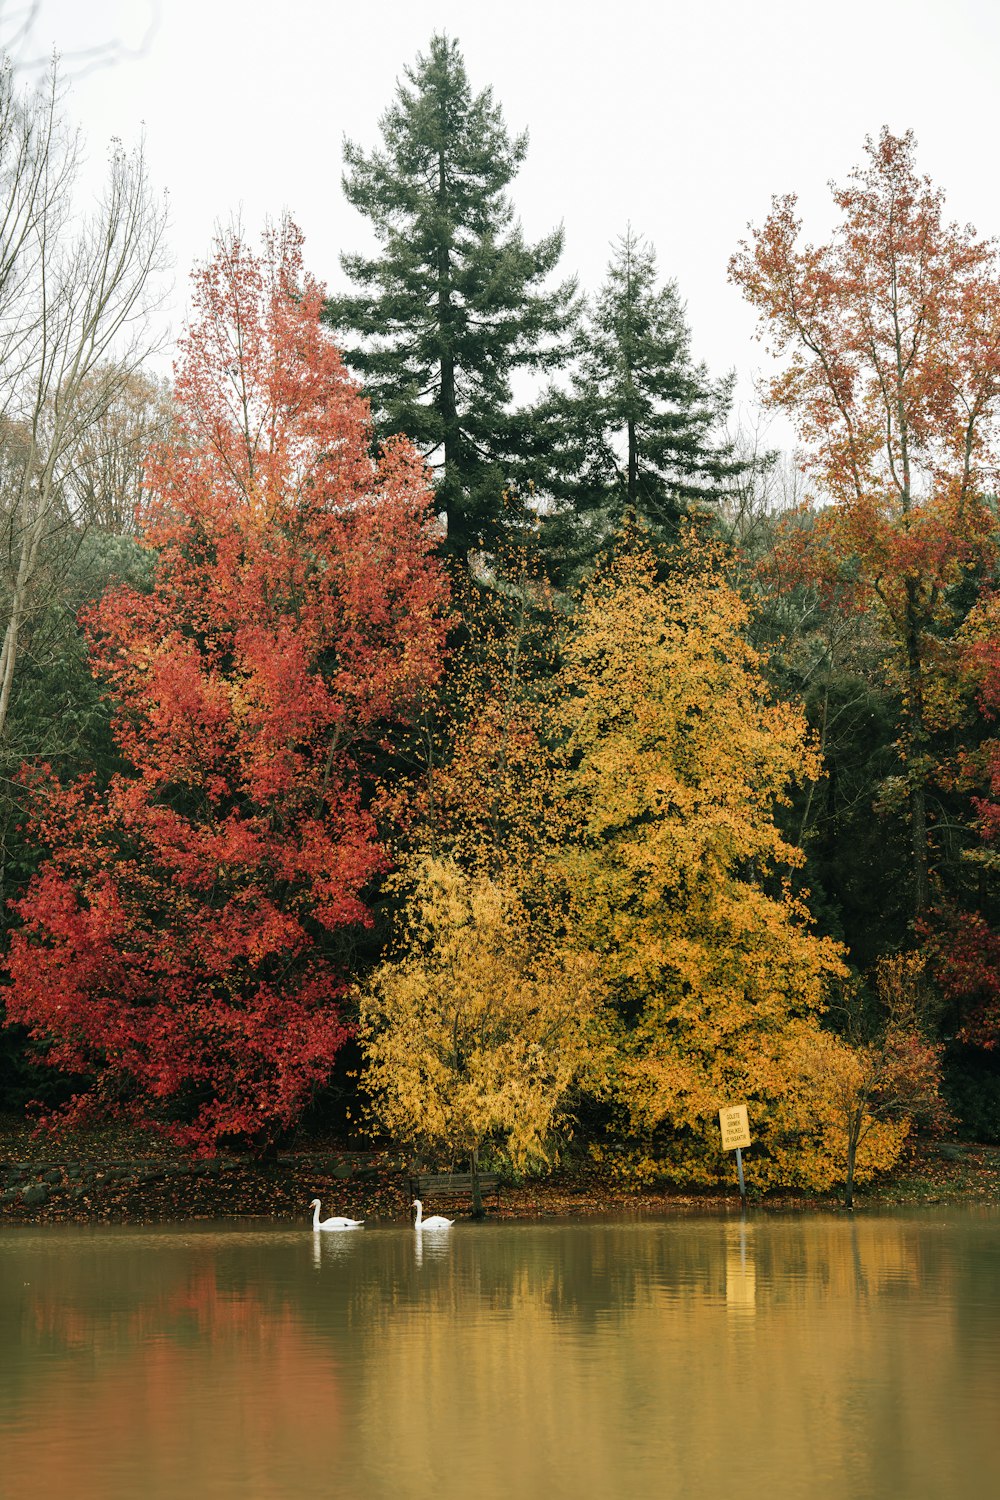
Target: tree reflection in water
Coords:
[[849, 1355]]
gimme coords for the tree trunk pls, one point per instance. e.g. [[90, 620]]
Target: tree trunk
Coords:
[[853, 1135], [916, 750], [633, 468], [448, 408], [477, 1196]]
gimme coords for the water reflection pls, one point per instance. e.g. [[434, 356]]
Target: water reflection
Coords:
[[434, 1244], [741, 1272], [824, 1357], [141, 1364], [331, 1249]]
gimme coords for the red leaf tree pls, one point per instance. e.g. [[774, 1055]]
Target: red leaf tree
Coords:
[[184, 941]]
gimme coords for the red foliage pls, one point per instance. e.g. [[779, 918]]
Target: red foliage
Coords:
[[181, 940], [966, 952]]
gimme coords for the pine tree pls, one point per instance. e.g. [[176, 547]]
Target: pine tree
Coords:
[[639, 431], [454, 303]]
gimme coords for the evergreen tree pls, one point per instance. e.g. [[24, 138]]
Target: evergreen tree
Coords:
[[454, 302], [639, 431]]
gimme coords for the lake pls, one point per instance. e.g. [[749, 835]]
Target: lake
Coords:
[[822, 1356]]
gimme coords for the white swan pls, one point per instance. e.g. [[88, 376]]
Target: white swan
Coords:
[[334, 1223], [436, 1221]]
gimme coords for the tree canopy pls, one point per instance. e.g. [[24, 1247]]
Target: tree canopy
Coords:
[[183, 944], [639, 432]]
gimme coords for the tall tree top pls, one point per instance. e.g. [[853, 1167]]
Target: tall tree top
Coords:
[[435, 129], [454, 302], [640, 431], [889, 333]]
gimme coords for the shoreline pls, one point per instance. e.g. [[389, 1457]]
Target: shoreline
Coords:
[[113, 1178]]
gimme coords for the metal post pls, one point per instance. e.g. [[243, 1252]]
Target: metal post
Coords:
[[739, 1174]]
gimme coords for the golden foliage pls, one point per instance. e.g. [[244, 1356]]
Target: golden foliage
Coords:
[[599, 894], [869, 1087], [674, 763], [476, 1031]]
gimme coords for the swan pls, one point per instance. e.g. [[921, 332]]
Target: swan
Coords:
[[436, 1221], [334, 1223]]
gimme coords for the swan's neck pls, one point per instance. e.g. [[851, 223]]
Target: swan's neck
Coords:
[[316, 1217], [420, 1215]]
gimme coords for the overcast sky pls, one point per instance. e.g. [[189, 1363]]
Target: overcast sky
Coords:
[[681, 117]]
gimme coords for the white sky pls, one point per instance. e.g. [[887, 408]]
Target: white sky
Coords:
[[682, 118]]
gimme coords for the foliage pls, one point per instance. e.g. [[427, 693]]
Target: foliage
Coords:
[[58, 714], [454, 304], [852, 823], [675, 874], [873, 1082], [187, 937], [964, 935], [890, 338], [476, 1029]]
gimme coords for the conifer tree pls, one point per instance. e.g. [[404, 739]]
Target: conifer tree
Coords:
[[454, 303], [639, 431]]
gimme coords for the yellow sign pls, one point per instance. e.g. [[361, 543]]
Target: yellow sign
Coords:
[[735, 1126]]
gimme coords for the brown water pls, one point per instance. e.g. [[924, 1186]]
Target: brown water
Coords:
[[702, 1359]]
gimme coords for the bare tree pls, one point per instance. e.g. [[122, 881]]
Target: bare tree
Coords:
[[766, 486], [105, 484], [19, 24], [75, 305]]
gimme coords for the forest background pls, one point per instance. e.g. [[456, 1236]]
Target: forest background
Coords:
[[614, 767]]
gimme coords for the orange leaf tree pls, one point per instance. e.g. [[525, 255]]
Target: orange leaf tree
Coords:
[[890, 339], [479, 1022], [184, 942]]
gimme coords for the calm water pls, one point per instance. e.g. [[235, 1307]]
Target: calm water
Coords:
[[814, 1357]]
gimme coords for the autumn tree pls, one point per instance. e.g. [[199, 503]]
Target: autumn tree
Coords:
[[485, 1015], [185, 942], [890, 340], [455, 302], [674, 870], [639, 432], [476, 1026], [878, 1075], [105, 486]]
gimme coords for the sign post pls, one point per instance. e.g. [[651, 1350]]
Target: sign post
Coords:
[[735, 1126]]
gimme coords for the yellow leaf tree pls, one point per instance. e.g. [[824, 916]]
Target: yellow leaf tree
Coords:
[[675, 871], [476, 1029]]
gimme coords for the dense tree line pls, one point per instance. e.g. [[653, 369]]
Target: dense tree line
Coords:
[[356, 685]]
